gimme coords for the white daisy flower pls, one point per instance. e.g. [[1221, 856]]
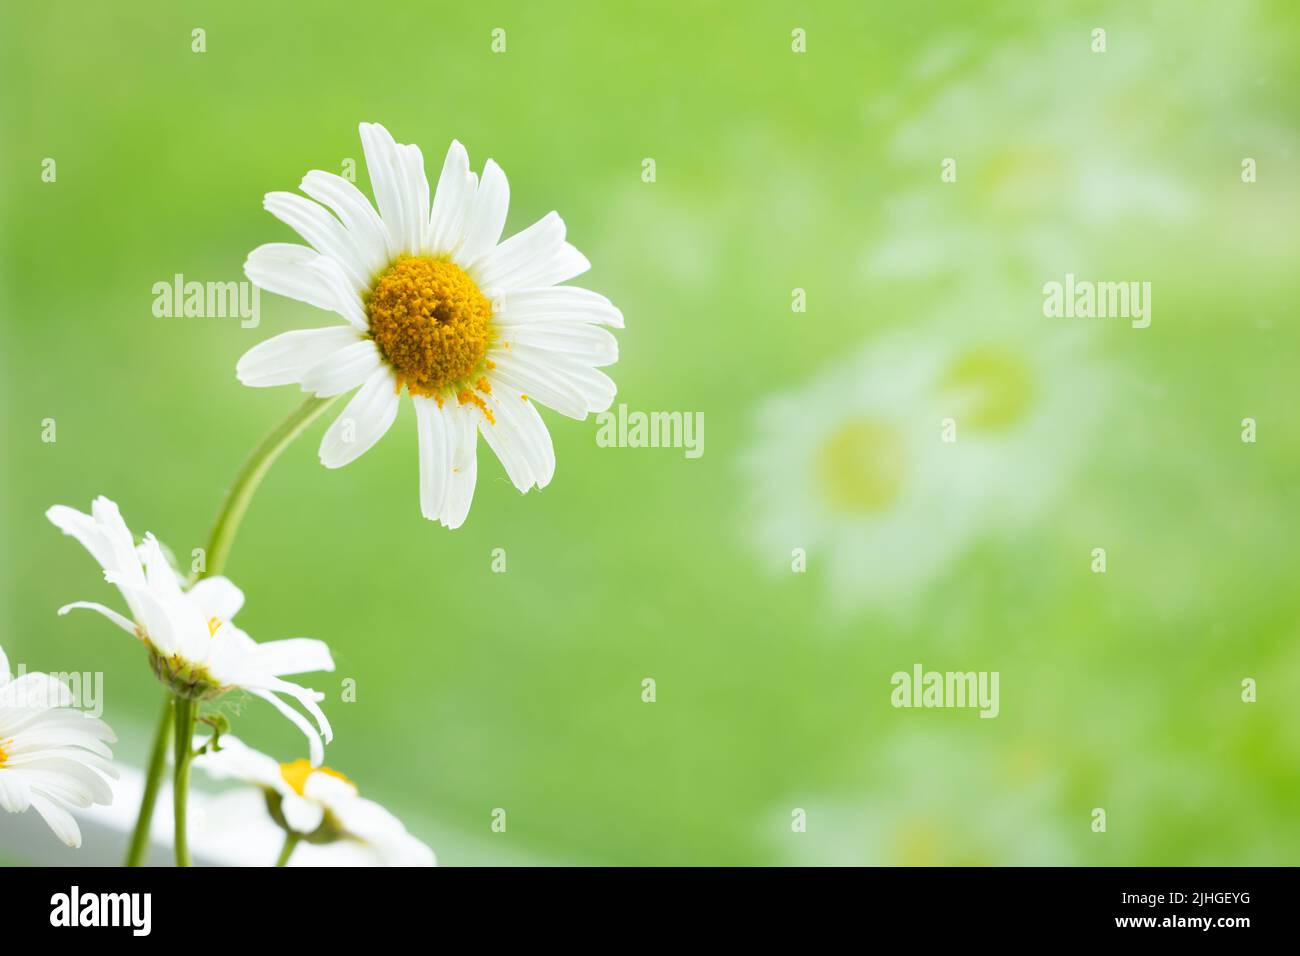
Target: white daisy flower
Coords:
[[939, 802], [52, 756], [848, 470], [475, 329], [193, 647], [887, 467], [318, 805], [1043, 187], [227, 827]]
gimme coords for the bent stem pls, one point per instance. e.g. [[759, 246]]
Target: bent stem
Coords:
[[152, 782], [290, 844], [231, 513], [250, 476], [186, 710]]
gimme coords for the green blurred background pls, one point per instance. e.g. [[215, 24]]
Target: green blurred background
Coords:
[[775, 171]]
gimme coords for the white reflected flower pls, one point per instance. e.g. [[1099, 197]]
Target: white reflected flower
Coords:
[[320, 805], [886, 468], [935, 802], [52, 756], [1040, 137], [193, 647], [476, 329]]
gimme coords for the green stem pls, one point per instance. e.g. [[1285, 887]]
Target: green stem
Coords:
[[290, 844], [250, 476], [183, 753], [153, 780], [232, 511]]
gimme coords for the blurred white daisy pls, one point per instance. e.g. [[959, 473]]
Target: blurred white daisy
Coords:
[[886, 468], [52, 756], [475, 329], [193, 647], [937, 802], [1044, 137], [318, 805]]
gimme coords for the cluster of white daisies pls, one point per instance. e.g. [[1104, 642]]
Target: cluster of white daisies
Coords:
[[476, 330]]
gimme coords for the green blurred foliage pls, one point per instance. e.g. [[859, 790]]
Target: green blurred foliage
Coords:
[[522, 690]]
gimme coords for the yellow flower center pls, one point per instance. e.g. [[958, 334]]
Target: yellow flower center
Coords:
[[431, 324], [4, 756], [295, 774], [916, 842], [861, 467], [993, 389], [924, 842]]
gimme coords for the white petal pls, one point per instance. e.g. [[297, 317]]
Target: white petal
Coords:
[[105, 535], [36, 690], [510, 264], [535, 258], [346, 298], [384, 166], [567, 264], [303, 816], [284, 359], [323, 233], [54, 785], [238, 761], [354, 211], [303, 695], [587, 344], [282, 268], [60, 820], [62, 732], [462, 430], [15, 795], [71, 780], [159, 574], [328, 789], [343, 370], [122, 622], [597, 388], [519, 438], [539, 382], [486, 217], [174, 623], [218, 597], [558, 304], [415, 197], [451, 202], [295, 655], [365, 420], [317, 749], [435, 456], [67, 725]]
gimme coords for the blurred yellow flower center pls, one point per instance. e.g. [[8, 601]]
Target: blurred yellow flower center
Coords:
[[4, 756], [295, 774], [430, 322], [861, 467], [1020, 179], [992, 389], [916, 842]]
